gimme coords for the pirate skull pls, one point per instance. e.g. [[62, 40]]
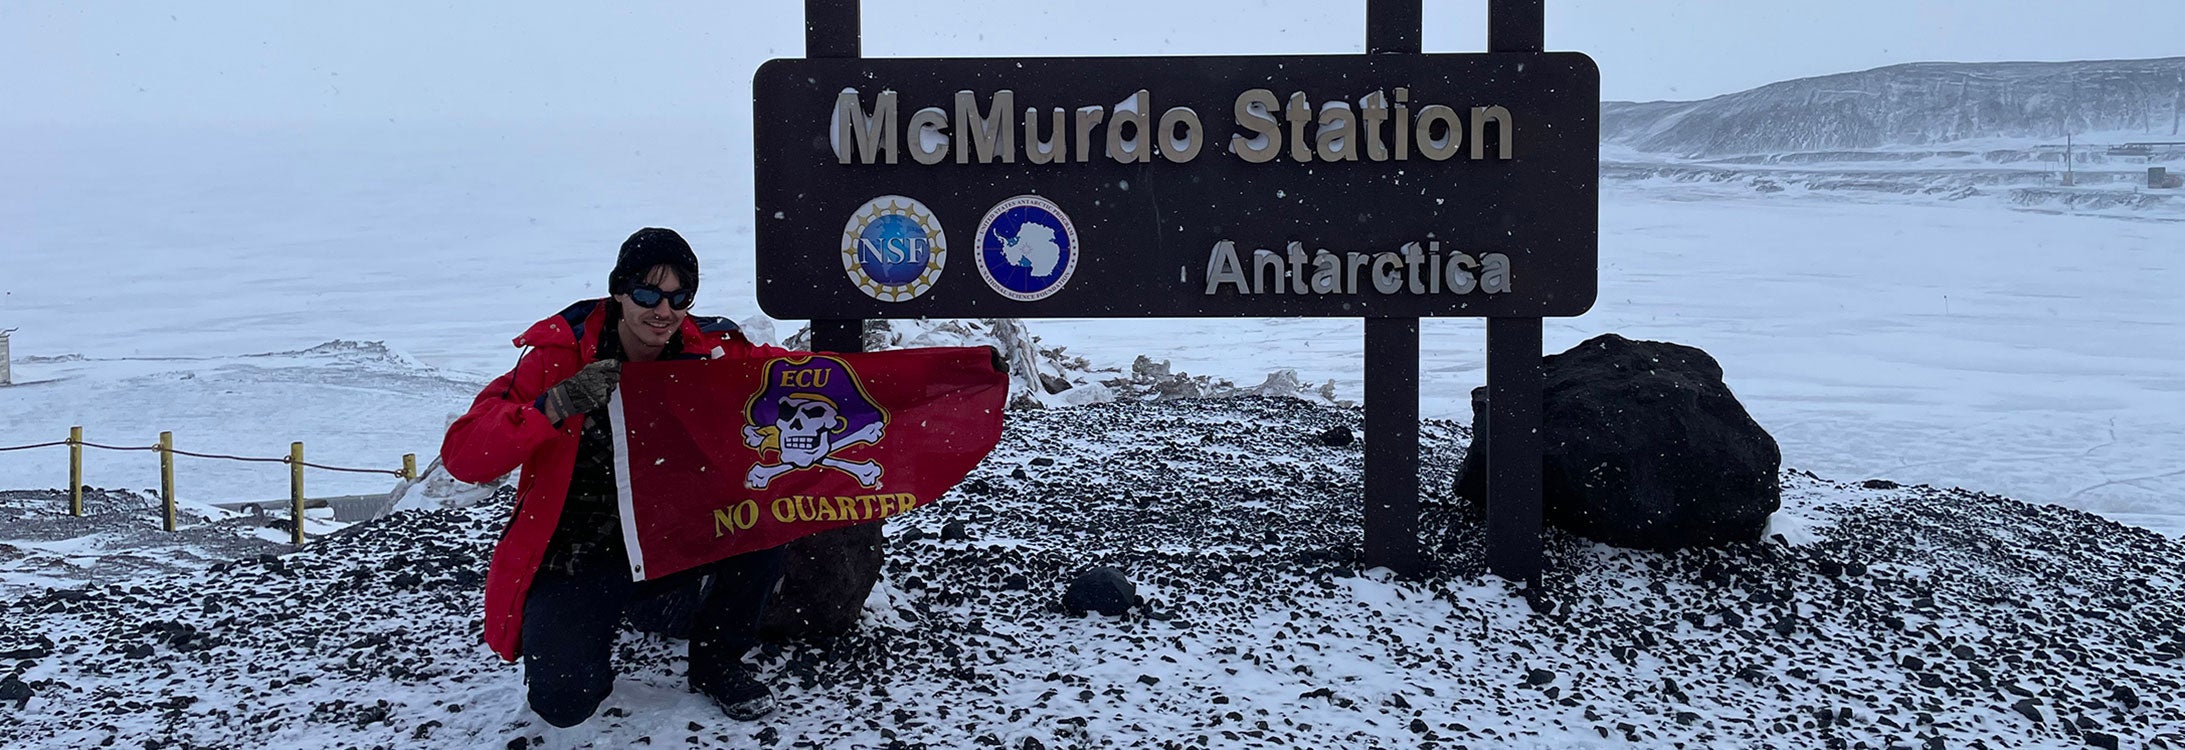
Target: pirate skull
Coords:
[[807, 423]]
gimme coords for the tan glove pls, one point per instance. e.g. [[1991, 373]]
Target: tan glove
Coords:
[[583, 392]]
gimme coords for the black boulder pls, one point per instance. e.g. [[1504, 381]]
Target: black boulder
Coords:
[[1645, 447]]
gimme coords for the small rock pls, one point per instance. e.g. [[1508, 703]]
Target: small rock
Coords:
[[370, 715], [1539, 677], [1015, 582], [2124, 696], [2103, 740], [955, 531], [2029, 709], [1043, 461], [1104, 589], [1337, 437], [13, 689], [1149, 679], [1879, 484]]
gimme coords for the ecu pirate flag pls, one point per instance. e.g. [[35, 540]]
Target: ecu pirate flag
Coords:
[[715, 458]]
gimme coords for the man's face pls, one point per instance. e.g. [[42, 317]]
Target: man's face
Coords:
[[654, 325]]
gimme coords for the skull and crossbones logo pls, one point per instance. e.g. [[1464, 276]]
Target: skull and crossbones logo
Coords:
[[814, 405]]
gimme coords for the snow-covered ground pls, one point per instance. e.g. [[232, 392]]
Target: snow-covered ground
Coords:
[[2033, 353], [1880, 617]]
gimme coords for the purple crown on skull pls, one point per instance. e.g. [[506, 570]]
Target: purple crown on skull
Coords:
[[803, 399]]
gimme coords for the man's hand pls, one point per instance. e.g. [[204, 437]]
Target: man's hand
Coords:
[[584, 391]]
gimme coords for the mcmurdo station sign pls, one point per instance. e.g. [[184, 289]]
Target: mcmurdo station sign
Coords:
[[1335, 185], [1389, 186]]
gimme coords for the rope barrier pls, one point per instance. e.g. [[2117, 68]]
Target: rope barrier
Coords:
[[215, 456], [167, 452], [116, 447]]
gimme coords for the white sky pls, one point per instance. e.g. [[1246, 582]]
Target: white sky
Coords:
[[542, 59]]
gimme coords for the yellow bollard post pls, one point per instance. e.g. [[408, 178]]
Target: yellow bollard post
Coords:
[[409, 467], [166, 479], [75, 471], [295, 493]]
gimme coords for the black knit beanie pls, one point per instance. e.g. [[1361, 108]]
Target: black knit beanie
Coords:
[[650, 247]]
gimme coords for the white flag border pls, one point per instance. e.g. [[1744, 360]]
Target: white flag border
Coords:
[[622, 487]]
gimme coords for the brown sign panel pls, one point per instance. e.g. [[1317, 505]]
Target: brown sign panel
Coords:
[[1331, 186]]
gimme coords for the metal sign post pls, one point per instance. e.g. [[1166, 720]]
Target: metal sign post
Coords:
[[834, 28], [1514, 376], [1390, 186], [1393, 27]]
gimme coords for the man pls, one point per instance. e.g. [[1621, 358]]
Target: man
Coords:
[[560, 579]]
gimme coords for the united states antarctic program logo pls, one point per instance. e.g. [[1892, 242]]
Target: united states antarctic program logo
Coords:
[[893, 248], [1027, 248]]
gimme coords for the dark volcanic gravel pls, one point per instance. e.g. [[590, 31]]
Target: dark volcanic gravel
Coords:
[[1884, 617]]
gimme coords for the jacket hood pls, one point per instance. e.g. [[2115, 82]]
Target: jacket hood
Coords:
[[560, 330]]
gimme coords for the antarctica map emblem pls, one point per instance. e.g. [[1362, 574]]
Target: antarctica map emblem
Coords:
[[1027, 248]]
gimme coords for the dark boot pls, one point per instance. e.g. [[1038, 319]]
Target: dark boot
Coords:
[[727, 627], [739, 694]]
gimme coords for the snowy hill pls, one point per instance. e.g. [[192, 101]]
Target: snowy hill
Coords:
[[1914, 105], [1879, 616]]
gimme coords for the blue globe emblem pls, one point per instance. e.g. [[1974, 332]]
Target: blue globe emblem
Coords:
[[893, 248], [1027, 248]]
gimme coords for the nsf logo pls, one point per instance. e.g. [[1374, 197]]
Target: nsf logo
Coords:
[[1027, 248], [893, 248]]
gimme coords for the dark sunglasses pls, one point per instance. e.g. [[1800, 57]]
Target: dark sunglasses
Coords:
[[649, 297]]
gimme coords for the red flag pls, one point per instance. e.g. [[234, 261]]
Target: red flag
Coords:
[[716, 458]]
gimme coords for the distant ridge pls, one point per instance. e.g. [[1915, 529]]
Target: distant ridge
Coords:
[[1913, 104]]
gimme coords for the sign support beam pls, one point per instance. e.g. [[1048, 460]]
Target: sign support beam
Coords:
[[1514, 375], [834, 28], [1392, 371]]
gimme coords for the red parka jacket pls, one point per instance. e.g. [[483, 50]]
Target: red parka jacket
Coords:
[[503, 429]]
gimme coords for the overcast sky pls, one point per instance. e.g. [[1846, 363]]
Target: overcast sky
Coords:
[[320, 61]]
